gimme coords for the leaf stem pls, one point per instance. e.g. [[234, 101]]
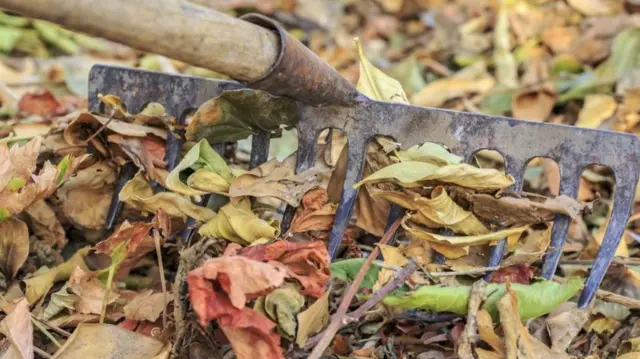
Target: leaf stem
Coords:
[[163, 283], [107, 292], [46, 332]]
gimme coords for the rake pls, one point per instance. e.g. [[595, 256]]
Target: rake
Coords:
[[258, 53]]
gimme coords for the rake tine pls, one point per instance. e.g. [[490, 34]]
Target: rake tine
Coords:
[[569, 187], [622, 205], [355, 165], [126, 173], [516, 169]]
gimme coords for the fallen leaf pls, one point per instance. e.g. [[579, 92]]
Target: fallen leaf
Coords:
[[375, 84], [347, 270], [39, 103], [413, 173], [505, 62], [564, 324], [535, 105], [393, 257], [438, 92], [282, 305], [596, 109], [90, 292], [45, 224], [208, 164], [520, 273], [428, 152], [147, 153], [60, 300], [486, 332], [17, 328], [110, 341], [14, 246], [273, 179], [560, 39], [315, 214], [313, 319], [237, 223], [629, 349], [530, 249], [603, 325], [75, 133], [593, 7], [534, 300], [236, 114], [139, 194], [146, 306]]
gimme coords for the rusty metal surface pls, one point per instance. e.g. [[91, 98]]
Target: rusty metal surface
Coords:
[[299, 73], [464, 133]]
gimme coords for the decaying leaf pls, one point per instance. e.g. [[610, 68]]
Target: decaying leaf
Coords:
[[272, 179], [282, 305], [139, 194], [14, 246], [313, 319], [60, 300], [90, 292], [211, 171], [17, 327], [237, 114], [237, 223], [110, 341]]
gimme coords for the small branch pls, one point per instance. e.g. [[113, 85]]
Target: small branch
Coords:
[[470, 333], [46, 332], [611, 297], [53, 327], [589, 262], [466, 272], [338, 318], [42, 353]]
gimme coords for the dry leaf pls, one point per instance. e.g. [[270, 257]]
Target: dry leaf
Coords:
[[75, 135], [45, 224], [14, 246], [393, 257], [282, 305], [17, 328], [90, 292], [436, 93], [596, 109], [39, 103], [237, 223], [102, 341], [564, 324], [594, 7], [312, 320], [486, 332], [429, 152], [461, 241], [505, 62], [146, 306], [377, 85]]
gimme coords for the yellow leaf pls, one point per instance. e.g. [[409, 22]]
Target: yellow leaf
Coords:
[[438, 92], [413, 173], [594, 7], [139, 194], [596, 109], [429, 152], [604, 324], [14, 246], [392, 256], [312, 320], [486, 332], [442, 212], [237, 223], [375, 84], [505, 62]]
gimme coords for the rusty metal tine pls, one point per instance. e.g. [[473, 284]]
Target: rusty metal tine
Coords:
[[622, 205], [569, 184], [126, 173], [355, 165], [516, 169]]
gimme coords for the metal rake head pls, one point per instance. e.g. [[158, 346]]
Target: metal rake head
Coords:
[[328, 101]]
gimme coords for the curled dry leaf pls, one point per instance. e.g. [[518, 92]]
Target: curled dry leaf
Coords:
[[14, 246], [147, 153], [414, 173], [308, 263], [315, 214], [17, 327], [271, 179], [110, 341], [211, 172], [237, 223], [312, 320], [60, 300], [139, 194], [76, 133]]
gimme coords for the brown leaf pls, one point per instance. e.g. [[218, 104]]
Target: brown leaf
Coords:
[[560, 38], [315, 214], [86, 124], [146, 152], [486, 332], [14, 246], [45, 224], [17, 327], [90, 292], [19, 161], [521, 273], [308, 263], [39, 103], [146, 306], [110, 341], [564, 324]]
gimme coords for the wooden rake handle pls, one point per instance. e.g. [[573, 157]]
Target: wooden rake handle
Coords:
[[263, 55]]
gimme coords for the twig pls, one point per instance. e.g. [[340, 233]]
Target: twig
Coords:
[[338, 318], [53, 327], [86, 142], [466, 272], [42, 353], [611, 297], [478, 295], [46, 332], [156, 238], [589, 262]]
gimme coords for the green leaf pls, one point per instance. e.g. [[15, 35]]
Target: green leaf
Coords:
[[534, 300], [429, 152], [9, 37], [13, 21], [377, 85], [15, 184], [211, 171], [237, 114], [63, 167], [55, 35], [348, 269], [409, 74]]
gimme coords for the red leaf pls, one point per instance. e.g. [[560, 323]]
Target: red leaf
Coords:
[[521, 273], [308, 263], [39, 103]]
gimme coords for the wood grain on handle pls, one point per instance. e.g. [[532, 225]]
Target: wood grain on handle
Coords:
[[173, 28]]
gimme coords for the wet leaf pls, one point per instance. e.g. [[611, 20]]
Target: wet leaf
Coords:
[[412, 173], [14, 246], [110, 341], [282, 305], [273, 179], [596, 109], [139, 194], [146, 306], [236, 114], [17, 328], [377, 85], [237, 223], [313, 319], [533, 300], [207, 164]]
